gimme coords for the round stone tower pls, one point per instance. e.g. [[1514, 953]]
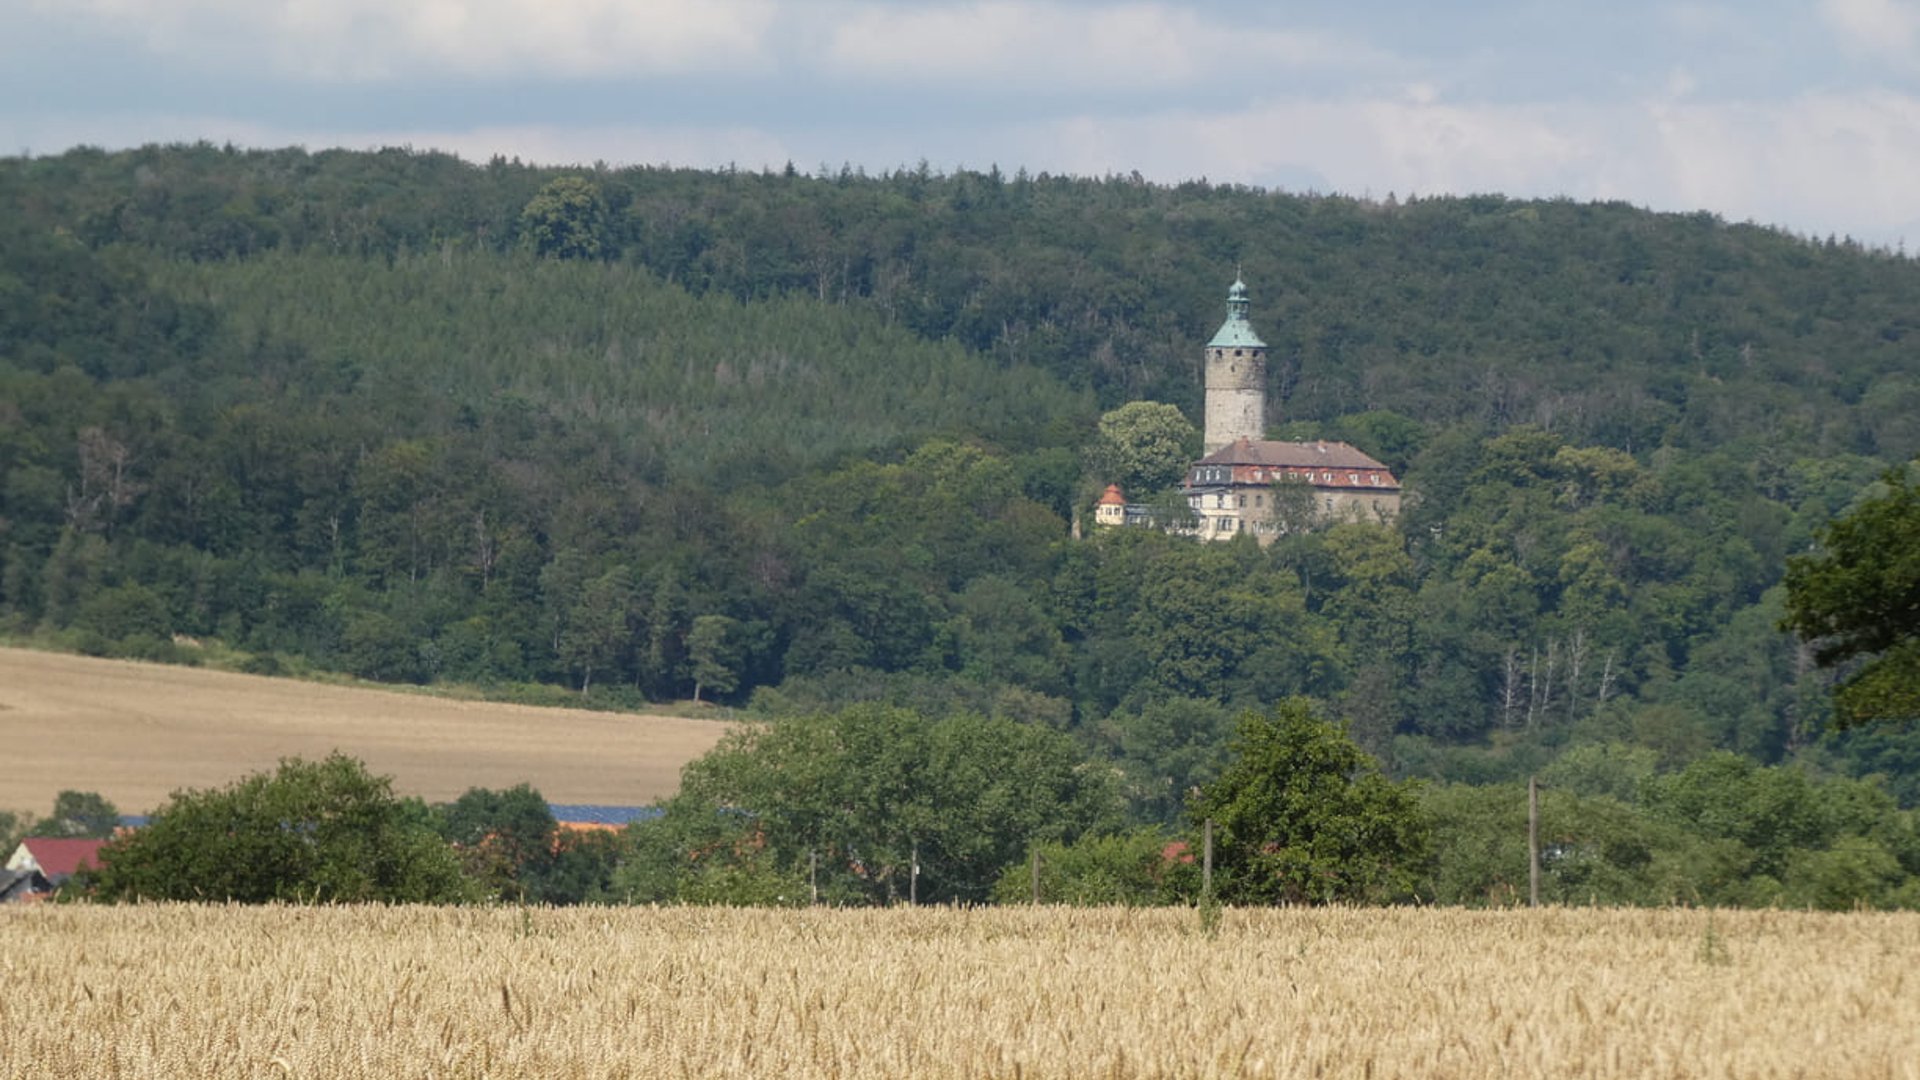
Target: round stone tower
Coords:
[[1236, 377]]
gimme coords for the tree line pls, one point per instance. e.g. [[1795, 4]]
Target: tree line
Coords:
[[879, 805]]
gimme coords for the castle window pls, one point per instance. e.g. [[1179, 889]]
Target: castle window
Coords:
[[1353, 478], [1243, 500], [1259, 500]]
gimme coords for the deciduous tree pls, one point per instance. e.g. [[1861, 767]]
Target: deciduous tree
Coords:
[[1304, 816], [566, 220], [81, 814], [307, 832], [1859, 599], [1143, 446]]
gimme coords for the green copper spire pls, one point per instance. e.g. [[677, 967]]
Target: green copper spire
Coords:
[[1236, 332]]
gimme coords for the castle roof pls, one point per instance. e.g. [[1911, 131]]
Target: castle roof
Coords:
[[1112, 496], [1236, 332], [1291, 455]]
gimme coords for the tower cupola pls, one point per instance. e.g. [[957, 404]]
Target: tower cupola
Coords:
[[1237, 332]]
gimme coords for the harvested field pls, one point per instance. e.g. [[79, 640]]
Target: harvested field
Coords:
[[184, 991], [136, 732]]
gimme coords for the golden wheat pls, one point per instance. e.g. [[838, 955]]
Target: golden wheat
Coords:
[[204, 991]]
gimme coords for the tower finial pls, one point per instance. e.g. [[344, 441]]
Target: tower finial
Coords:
[[1237, 300]]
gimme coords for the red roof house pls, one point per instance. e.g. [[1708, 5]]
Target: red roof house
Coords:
[[55, 858]]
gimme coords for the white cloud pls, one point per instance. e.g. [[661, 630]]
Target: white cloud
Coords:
[[1827, 163], [1127, 45], [378, 39], [1816, 164], [1887, 27]]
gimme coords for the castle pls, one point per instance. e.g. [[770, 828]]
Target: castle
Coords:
[[1250, 484]]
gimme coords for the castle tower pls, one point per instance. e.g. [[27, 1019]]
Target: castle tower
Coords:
[[1236, 377]]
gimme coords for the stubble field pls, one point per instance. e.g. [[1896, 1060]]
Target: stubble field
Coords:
[[201, 991], [136, 732]]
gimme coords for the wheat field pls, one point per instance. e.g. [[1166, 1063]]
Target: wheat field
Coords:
[[136, 732], [210, 991]]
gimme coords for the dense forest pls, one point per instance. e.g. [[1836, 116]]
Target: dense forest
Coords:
[[798, 440]]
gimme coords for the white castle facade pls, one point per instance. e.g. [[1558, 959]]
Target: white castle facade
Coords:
[[1250, 484]]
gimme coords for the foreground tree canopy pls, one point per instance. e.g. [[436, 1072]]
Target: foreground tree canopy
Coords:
[[1858, 600], [309, 831], [1304, 816], [845, 802]]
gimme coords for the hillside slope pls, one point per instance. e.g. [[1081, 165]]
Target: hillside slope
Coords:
[[137, 732]]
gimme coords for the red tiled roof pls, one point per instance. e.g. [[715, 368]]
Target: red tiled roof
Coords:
[[1291, 455], [1112, 496], [58, 857]]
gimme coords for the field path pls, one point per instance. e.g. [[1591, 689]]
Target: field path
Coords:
[[136, 732]]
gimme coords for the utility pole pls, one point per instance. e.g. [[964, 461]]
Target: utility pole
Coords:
[[813, 876], [1036, 877], [1533, 842], [1206, 861], [913, 877]]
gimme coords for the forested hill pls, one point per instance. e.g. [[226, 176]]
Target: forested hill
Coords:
[[803, 438], [1606, 323]]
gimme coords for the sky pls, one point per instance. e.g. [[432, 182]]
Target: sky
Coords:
[[1801, 115]]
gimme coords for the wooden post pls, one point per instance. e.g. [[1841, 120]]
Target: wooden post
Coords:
[[1036, 876], [1533, 842], [1206, 861], [913, 878], [813, 875]]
